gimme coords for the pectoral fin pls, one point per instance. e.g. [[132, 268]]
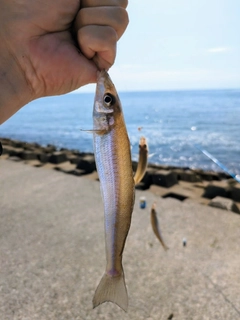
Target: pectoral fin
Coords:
[[100, 131]]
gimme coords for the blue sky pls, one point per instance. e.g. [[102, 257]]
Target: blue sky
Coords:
[[177, 44]]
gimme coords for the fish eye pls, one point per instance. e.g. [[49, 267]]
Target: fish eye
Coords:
[[108, 99]]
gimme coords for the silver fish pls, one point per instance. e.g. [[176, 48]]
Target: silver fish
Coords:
[[114, 166]]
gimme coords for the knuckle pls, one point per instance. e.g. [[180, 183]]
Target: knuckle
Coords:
[[82, 16], [122, 17], [111, 35]]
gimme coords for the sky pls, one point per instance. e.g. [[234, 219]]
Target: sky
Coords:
[[179, 44]]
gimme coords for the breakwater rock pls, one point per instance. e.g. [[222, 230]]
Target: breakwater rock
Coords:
[[184, 184]]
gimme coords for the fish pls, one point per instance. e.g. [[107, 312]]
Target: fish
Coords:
[[113, 161], [142, 161], [155, 226]]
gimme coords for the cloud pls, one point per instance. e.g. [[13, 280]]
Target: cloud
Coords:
[[218, 50]]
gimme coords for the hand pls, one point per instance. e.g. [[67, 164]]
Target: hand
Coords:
[[54, 47], [99, 25]]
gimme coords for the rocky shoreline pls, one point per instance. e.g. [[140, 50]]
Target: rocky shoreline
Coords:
[[216, 189]]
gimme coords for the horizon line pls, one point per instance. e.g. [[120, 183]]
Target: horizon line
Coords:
[[160, 90]]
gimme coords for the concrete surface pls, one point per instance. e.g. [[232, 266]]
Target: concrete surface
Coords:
[[52, 253]]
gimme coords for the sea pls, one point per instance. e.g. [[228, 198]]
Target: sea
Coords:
[[175, 123]]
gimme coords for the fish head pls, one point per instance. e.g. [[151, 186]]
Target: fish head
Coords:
[[143, 144], [106, 103], [153, 209]]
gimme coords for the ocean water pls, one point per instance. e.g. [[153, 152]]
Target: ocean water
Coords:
[[172, 121]]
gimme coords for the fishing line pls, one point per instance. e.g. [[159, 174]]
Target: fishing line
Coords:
[[215, 160]]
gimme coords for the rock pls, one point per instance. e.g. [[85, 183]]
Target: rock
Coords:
[[58, 157], [231, 182], [43, 157], [235, 192], [13, 152], [50, 148], [73, 159], [186, 175], [181, 191], [146, 181], [165, 167], [215, 176], [6, 141], [224, 175], [85, 154], [28, 155], [224, 203], [215, 189], [134, 166], [158, 166], [207, 175], [18, 144], [31, 146], [201, 185], [141, 186], [6, 149], [164, 178], [76, 152], [66, 167], [64, 150], [87, 164]]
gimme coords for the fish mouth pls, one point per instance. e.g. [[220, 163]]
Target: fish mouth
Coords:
[[101, 74], [104, 79], [100, 87]]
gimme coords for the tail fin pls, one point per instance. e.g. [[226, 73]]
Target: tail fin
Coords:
[[111, 289]]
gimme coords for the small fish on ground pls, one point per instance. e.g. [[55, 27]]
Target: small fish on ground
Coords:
[[155, 226]]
